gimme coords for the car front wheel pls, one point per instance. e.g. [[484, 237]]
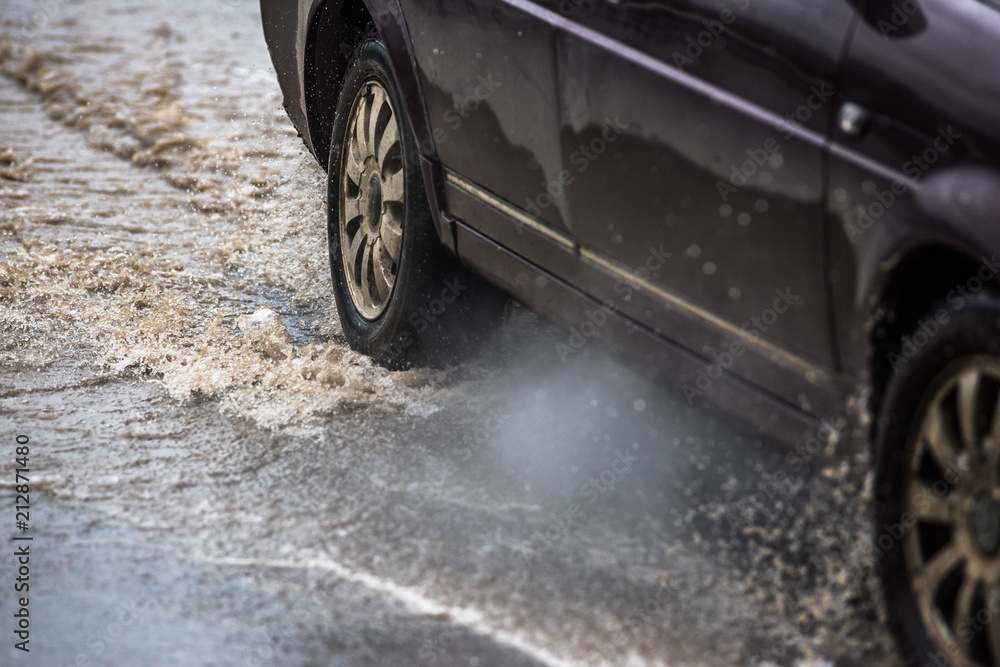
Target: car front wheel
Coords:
[[401, 299]]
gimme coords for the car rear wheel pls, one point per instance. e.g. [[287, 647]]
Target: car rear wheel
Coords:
[[401, 299], [938, 490]]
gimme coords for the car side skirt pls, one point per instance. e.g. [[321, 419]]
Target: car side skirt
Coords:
[[656, 356]]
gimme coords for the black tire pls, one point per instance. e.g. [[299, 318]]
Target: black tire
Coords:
[[435, 311], [926, 377]]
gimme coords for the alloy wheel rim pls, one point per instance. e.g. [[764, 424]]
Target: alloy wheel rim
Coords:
[[951, 498], [371, 201]]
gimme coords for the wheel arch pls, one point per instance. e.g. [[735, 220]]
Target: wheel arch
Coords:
[[939, 236], [922, 277], [335, 29]]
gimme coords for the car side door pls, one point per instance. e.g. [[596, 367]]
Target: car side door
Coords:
[[487, 74], [694, 132]]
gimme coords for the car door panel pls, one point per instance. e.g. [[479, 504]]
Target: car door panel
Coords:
[[488, 77], [710, 169]]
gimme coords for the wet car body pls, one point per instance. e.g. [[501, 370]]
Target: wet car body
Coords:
[[758, 199], [683, 180]]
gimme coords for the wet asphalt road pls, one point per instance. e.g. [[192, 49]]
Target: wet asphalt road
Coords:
[[212, 488]]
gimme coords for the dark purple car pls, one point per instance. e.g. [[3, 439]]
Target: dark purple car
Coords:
[[792, 207]]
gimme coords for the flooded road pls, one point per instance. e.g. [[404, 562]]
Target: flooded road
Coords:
[[216, 479]]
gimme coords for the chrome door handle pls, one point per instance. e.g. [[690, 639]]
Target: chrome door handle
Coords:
[[853, 119]]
